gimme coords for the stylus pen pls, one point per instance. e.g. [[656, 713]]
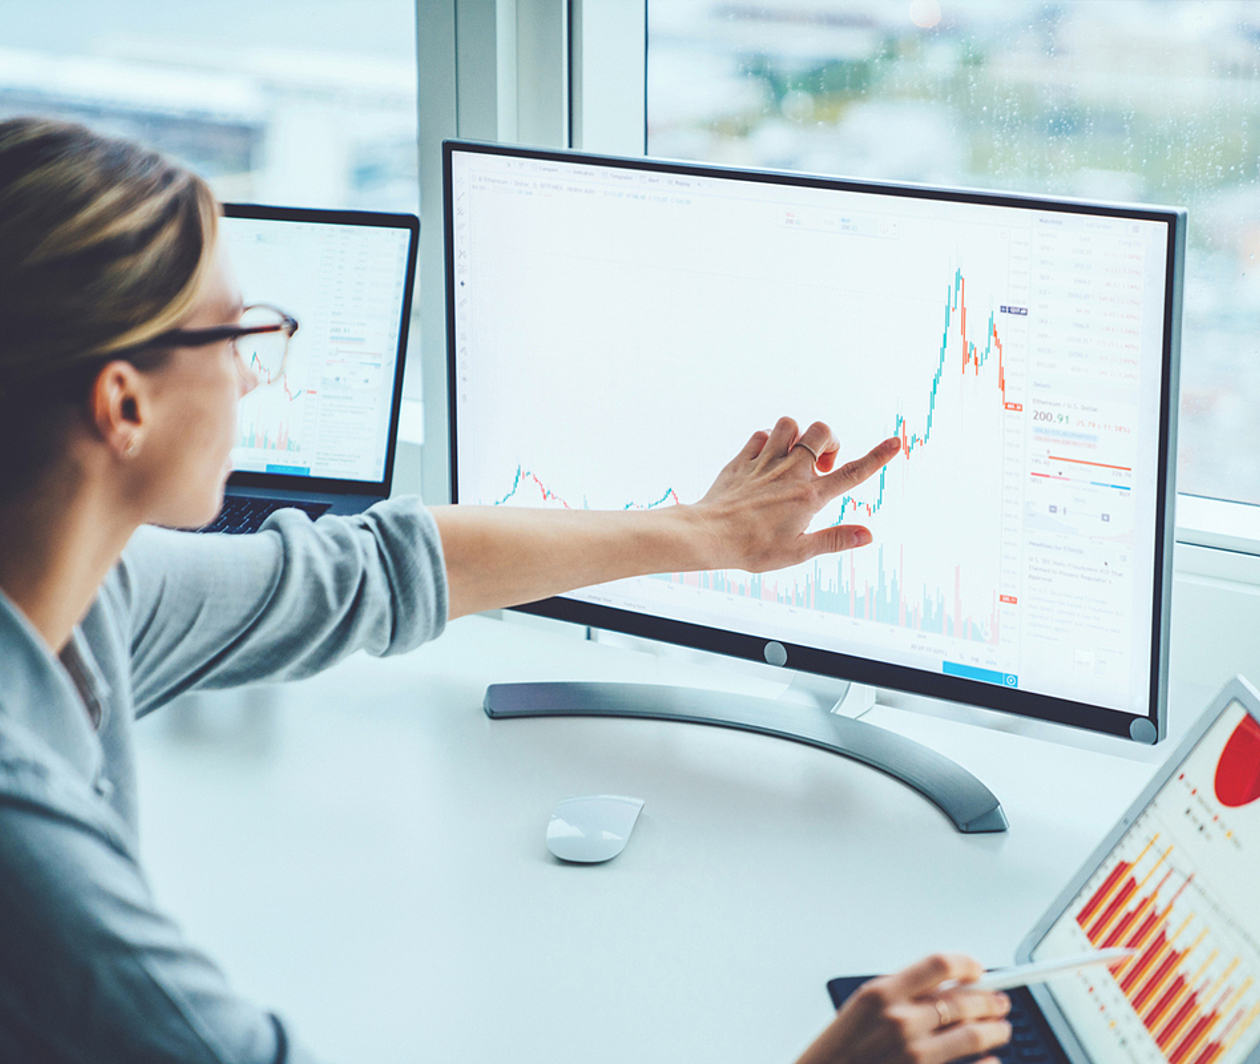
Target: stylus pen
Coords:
[[1040, 971]]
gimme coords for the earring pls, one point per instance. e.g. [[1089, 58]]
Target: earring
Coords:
[[132, 446]]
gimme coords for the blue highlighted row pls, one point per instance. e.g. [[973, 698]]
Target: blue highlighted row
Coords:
[[291, 470], [970, 672]]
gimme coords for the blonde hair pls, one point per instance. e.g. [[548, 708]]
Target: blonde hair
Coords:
[[103, 246]]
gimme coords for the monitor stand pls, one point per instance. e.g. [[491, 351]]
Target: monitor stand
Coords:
[[824, 721]]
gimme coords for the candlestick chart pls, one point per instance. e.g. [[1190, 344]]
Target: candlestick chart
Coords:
[[270, 417], [894, 583]]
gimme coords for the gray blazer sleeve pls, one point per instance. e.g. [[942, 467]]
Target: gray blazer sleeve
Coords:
[[221, 610], [92, 969]]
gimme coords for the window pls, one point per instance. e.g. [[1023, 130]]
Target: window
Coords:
[[304, 103], [1114, 99]]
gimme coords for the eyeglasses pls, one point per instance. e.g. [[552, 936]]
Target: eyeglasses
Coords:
[[262, 339]]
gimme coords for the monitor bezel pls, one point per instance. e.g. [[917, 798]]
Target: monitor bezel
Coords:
[[1147, 728], [370, 219]]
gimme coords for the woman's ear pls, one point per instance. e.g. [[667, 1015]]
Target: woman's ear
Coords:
[[119, 406]]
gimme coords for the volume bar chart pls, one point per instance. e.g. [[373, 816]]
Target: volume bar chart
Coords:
[[1185, 982], [275, 438], [835, 587]]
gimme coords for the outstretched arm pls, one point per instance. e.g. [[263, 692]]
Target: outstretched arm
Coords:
[[754, 517]]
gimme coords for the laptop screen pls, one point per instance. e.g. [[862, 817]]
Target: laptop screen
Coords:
[[1181, 887], [329, 414]]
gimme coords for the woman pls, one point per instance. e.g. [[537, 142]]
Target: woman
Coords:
[[119, 379]]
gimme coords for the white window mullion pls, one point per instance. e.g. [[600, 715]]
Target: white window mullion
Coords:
[[541, 73], [609, 72]]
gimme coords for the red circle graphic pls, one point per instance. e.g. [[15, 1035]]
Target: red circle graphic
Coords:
[[1238, 771]]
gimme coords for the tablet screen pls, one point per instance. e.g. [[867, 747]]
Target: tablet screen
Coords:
[[1182, 887]]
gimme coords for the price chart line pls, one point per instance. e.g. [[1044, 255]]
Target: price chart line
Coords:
[[278, 437], [525, 477], [972, 356], [1193, 1018], [888, 598], [256, 367]]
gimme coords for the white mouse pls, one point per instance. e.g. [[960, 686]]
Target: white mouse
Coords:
[[592, 829]]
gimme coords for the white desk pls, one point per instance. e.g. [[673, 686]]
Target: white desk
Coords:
[[393, 898]]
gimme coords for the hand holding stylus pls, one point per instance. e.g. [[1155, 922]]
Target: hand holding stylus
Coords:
[[913, 1016]]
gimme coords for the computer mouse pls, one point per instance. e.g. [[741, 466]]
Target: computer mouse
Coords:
[[593, 828]]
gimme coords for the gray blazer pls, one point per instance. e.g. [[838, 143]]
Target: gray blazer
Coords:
[[90, 968]]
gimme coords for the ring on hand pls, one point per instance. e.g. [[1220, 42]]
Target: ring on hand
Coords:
[[943, 1012], [802, 443]]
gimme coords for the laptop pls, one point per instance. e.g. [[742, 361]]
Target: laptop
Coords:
[[321, 436], [1177, 879]]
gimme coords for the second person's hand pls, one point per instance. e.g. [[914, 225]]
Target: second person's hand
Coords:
[[909, 1018]]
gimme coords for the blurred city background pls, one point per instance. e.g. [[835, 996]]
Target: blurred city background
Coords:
[[1146, 100], [314, 103]]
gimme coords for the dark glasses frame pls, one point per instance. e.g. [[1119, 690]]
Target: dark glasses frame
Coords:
[[69, 381], [213, 334]]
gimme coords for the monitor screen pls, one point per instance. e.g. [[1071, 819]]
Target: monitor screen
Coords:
[[347, 285], [618, 327], [1179, 888]]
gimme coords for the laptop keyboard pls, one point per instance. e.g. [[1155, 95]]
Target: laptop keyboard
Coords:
[[246, 513]]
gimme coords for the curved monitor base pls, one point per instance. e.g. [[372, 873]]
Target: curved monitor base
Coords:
[[960, 796]]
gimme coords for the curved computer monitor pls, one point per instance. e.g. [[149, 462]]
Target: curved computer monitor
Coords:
[[618, 326]]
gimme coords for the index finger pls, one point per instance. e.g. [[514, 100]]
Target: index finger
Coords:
[[859, 469], [930, 972]]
